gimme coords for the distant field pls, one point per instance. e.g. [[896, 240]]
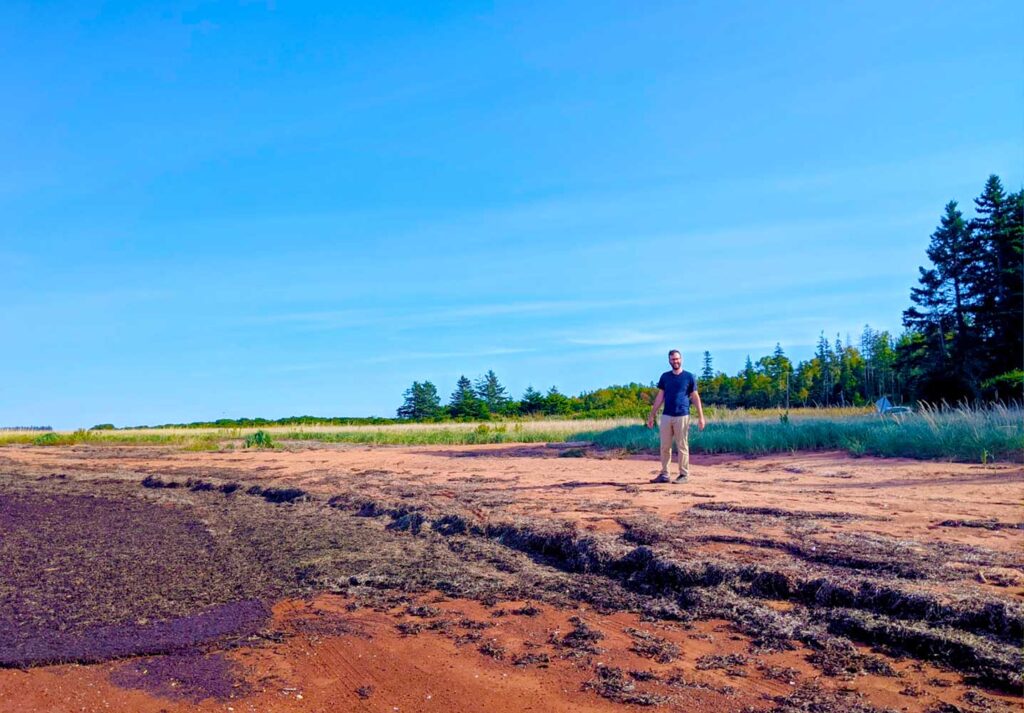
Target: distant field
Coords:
[[971, 435]]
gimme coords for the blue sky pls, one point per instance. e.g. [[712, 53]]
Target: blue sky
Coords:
[[274, 209]]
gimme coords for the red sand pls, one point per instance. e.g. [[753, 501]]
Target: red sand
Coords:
[[322, 672]]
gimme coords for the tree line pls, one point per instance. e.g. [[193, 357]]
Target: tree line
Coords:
[[962, 340]]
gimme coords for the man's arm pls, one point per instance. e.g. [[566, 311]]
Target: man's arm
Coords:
[[695, 400], [658, 401]]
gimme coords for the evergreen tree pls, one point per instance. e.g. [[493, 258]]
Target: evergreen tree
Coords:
[[747, 386], [999, 227], [943, 306], [556, 403], [464, 403], [532, 402], [707, 385], [492, 393], [822, 375], [779, 370], [421, 402], [707, 373]]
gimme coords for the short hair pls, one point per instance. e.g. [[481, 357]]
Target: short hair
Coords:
[[675, 351]]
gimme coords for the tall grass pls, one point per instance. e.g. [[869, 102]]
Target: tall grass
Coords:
[[960, 434], [456, 434], [413, 434], [190, 441]]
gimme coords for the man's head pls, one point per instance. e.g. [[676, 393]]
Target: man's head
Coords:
[[675, 360]]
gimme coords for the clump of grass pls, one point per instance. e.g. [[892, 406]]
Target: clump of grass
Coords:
[[260, 439], [208, 442], [53, 438]]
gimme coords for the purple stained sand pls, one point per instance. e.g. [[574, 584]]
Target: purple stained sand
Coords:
[[236, 620], [190, 677], [86, 578]]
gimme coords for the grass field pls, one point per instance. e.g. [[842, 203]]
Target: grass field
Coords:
[[962, 434]]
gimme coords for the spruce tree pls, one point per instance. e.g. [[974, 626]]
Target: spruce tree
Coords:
[[492, 393], [421, 402], [707, 373], [944, 307], [822, 379], [999, 227], [532, 402], [464, 402], [556, 403]]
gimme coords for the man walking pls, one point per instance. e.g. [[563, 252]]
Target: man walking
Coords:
[[676, 390]]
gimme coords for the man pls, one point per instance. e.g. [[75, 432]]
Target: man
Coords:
[[676, 390]]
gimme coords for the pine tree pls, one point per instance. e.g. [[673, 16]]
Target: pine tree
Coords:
[[709, 387], [747, 388], [464, 402], [707, 373], [421, 402], [492, 393], [532, 402], [944, 304], [556, 403], [823, 381], [999, 227]]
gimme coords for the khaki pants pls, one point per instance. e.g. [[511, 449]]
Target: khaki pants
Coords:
[[675, 429]]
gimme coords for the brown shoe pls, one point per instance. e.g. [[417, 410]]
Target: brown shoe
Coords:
[[662, 478]]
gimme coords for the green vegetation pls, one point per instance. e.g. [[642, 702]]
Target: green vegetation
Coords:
[[61, 439], [962, 434], [483, 433], [970, 435], [188, 440], [260, 439]]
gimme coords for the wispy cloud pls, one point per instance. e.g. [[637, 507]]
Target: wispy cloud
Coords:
[[403, 355], [407, 316], [619, 338]]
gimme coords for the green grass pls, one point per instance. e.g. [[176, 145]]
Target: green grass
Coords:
[[260, 439], [967, 435]]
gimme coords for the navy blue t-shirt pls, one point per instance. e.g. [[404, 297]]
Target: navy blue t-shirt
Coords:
[[677, 388]]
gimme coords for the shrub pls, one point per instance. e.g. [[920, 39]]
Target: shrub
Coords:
[[260, 439]]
